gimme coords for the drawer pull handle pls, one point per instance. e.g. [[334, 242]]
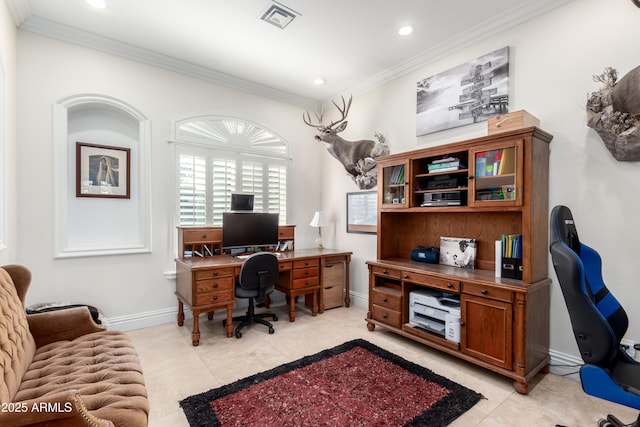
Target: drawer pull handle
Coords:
[[385, 300], [215, 298], [215, 285], [484, 292], [406, 276], [384, 316], [385, 272], [204, 236], [449, 285], [461, 323], [215, 273]]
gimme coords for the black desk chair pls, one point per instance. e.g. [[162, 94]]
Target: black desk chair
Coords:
[[257, 279], [598, 320]]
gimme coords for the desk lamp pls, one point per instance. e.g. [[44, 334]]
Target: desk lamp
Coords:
[[319, 221]]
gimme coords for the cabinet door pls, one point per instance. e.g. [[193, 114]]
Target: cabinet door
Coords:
[[486, 330], [394, 192], [496, 175]]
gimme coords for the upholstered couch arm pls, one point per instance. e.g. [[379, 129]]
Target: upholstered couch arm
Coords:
[[61, 325], [64, 409]]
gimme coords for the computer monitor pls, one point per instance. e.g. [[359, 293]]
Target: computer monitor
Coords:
[[246, 229], [242, 202]]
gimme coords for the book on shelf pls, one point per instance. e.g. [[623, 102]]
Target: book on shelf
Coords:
[[512, 246], [495, 162], [396, 175], [445, 165]]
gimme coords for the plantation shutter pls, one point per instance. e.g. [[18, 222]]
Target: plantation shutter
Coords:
[[192, 190], [224, 183], [277, 190]]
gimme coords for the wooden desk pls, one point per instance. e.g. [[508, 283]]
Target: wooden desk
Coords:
[[207, 284]]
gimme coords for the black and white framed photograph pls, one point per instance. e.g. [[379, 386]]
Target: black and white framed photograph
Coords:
[[458, 252], [102, 171], [466, 94], [362, 212]]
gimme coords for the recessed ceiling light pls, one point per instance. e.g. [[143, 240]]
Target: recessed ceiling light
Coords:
[[318, 81], [98, 4], [406, 30]]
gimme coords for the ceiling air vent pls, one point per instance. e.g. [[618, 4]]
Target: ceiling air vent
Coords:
[[278, 14]]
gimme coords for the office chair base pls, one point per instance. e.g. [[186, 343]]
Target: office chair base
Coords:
[[247, 319], [256, 318], [613, 421]]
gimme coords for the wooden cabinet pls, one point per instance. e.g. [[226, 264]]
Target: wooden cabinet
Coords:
[[499, 185]]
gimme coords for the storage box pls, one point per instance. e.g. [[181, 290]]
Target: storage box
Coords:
[[512, 268], [511, 121]]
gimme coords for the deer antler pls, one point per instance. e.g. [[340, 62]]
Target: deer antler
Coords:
[[344, 111], [307, 118]]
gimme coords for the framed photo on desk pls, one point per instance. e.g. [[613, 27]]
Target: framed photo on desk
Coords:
[[362, 212]]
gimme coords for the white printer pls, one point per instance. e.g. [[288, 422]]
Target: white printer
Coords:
[[436, 311]]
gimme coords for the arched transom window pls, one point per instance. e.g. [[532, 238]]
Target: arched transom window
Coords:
[[218, 156]]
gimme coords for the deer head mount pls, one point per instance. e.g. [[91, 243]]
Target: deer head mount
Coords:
[[357, 157]]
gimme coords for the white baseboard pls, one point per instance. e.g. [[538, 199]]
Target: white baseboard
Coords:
[[561, 363]]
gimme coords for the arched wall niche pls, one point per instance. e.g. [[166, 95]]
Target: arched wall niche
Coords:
[[97, 226]]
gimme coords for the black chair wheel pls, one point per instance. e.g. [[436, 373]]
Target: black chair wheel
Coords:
[[238, 334], [271, 331]]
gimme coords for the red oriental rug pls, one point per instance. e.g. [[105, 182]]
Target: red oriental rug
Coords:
[[356, 383]]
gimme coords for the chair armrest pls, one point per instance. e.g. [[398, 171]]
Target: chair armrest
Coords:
[[61, 325], [60, 409]]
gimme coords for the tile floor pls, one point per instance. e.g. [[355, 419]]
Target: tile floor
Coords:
[[174, 369]]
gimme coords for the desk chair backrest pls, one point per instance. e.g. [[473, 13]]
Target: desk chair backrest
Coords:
[[598, 320], [259, 272]]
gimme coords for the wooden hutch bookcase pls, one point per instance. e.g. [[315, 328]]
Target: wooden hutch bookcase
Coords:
[[502, 185]]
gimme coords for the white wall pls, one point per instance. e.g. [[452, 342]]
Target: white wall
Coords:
[[8, 138], [128, 287], [553, 59]]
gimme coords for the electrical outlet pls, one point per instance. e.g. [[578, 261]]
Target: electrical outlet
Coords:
[[628, 346]]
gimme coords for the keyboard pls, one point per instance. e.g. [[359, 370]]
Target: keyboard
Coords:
[[278, 254]]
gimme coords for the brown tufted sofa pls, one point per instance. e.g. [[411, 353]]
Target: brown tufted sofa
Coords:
[[61, 369]]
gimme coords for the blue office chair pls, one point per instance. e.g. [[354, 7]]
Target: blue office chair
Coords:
[[598, 320], [257, 279]]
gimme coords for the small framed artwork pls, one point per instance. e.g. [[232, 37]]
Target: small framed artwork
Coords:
[[458, 252], [362, 212], [102, 171]]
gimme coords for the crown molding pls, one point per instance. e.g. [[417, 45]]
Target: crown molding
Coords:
[[21, 13], [75, 36], [20, 10]]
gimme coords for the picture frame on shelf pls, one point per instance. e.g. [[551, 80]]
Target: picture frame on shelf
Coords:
[[103, 171], [458, 252], [362, 212]]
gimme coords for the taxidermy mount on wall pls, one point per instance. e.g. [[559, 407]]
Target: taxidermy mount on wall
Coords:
[[357, 157], [614, 112]]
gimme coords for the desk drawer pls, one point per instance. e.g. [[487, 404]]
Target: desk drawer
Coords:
[[285, 265], [305, 283], [488, 292], [305, 272], [333, 275], [286, 232], [384, 271], [214, 272], [214, 298], [388, 298], [304, 263], [332, 296], [217, 284], [432, 282], [202, 235], [390, 317]]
